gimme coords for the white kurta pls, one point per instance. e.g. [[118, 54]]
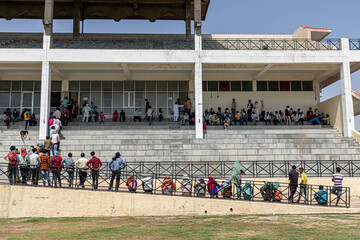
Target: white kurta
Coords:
[[176, 111]]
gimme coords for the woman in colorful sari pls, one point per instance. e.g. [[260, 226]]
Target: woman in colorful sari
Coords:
[[131, 183], [248, 191], [168, 186], [115, 116], [213, 187], [277, 192]]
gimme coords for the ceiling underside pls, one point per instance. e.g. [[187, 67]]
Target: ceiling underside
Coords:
[[117, 10]]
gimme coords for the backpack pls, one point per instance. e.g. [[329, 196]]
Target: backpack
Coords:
[[12, 157]]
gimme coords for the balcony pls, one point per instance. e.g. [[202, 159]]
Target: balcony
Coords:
[[271, 44]]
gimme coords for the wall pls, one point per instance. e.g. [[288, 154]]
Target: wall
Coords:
[[333, 107], [26, 202]]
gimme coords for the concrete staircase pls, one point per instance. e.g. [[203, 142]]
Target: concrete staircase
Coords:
[[170, 142]]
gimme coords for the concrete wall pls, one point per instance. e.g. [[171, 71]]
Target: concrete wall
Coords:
[[333, 107], [25, 202]]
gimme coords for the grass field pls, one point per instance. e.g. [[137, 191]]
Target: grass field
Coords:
[[227, 227]]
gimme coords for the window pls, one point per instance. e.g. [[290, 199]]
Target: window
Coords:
[[247, 86], [107, 86], [55, 99], [4, 99], [29, 85], [162, 86], [85, 86], [128, 86], [212, 86], [96, 86], [118, 86], [273, 86], [55, 86], [184, 86], [295, 85], [236, 86], [15, 99], [16, 86], [172, 86], [307, 85], [224, 86], [204, 86], [284, 86], [140, 86], [74, 86], [37, 86], [261, 86], [4, 85], [150, 86]]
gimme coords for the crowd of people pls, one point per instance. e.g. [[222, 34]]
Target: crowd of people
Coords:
[[253, 114], [35, 164]]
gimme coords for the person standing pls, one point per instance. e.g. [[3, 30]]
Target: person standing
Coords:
[[55, 139], [303, 185], [48, 145], [147, 105], [95, 166], [34, 167], [337, 178], [288, 116], [65, 102], [249, 110], [45, 162], [233, 108], [86, 113], [256, 110], [81, 165], [176, 111], [55, 165], [116, 165], [24, 162], [26, 118], [12, 164], [68, 164], [188, 106], [293, 177], [149, 115]]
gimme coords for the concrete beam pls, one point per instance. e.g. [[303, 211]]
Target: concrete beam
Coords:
[[58, 72], [135, 4], [126, 71], [76, 20], [48, 17], [188, 18], [263, 71]]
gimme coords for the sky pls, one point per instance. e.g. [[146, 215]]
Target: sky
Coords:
[[236, 17]]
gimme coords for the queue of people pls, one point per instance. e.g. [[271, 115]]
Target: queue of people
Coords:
[[36, 164]]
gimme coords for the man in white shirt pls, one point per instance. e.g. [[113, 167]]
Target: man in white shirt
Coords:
[[81, 165], [34, 167]]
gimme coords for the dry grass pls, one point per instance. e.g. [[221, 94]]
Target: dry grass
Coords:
[[226, 227]]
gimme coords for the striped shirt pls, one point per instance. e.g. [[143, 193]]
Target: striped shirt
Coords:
[[337, 177]]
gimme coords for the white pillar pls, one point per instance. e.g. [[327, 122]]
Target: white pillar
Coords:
[[198, 100], [198, 71], [46, 70], [346, 95], [45, 90]]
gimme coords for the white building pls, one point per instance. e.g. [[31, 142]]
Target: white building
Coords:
[[119, 71]]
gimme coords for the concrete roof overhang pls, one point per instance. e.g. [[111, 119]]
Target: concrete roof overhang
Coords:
[[117, 10], [356, 102], [170, 71]]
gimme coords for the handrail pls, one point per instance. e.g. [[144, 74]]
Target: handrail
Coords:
[[253, 191]]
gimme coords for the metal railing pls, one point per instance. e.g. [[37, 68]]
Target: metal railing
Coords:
[[17, 42], [124, 43], [247, 190], [223, 169], [354, 44], [271, 44]]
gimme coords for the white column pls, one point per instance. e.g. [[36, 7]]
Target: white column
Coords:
[[198, 71], [46, 70], [45, 90], [346, 95]]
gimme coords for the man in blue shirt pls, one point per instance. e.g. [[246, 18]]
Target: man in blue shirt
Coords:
[[116, 165], [321, 196]]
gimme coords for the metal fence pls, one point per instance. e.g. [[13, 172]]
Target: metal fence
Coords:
[[124, 43], [16, 42], [247, 190], [271, 44]]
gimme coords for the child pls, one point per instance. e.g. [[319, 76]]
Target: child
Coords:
[[102, 118]]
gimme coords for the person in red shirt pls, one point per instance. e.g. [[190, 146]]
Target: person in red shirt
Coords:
[[12, 164], [55, 166], [94, 164], [102, 118]]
